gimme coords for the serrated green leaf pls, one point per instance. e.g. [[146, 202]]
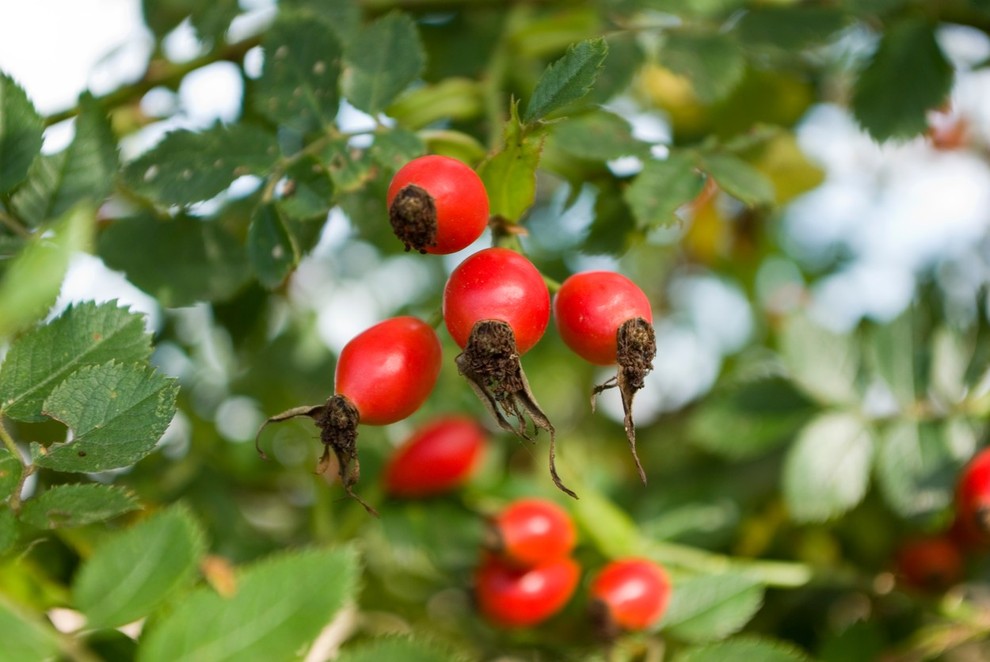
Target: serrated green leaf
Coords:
[[384, 58], [21, 129], [918, 464], [210, 19], [509, 175], [739, 179], [66, 506], [606, 525], [951, 356], [891, 350], [406, 649], [299, 81], [271, 247], [824, 364], [262, 620], [713, 62], [8, 529], [568, 79], [130, 574], [393, 149], [661, 188], [711, 607], [10, 473], [32, 282], [311, 193], [117, 413], [350, 170], [189, 166], [744, 647], [789, 28], [84, 334], [827, 470], [598, 136], [24, 636], [343, 16], [85, 170], [881, 102], [179, 261]]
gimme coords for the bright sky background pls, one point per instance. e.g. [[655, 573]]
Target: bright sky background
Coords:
[[894, 210]]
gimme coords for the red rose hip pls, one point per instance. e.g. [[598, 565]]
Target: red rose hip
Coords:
[[973, 498], [437, 458], [528, 532], [629, 594], [437, 205], [522, 597]]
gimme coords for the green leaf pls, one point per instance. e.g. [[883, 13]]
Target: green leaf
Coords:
[[918, 464], [790, 28], [8, 529], [85, 170], [133, 572], [739, 179], [350, 170], [178, 261], [84, 334], [187, 166], [510, 174], [881, 102], [406, 649], [24, 636], [280, 605], [951, 356], [711, 607], [827, 470], [21, 129], [10, 473], [598, 135], [891, 348], [393, 149], [750, 419], [568, 79], [210, 19], [32, 282], [343, 16], [310, 195], [661, 188], [271, 248], [384, 58], [453, 98], [744, 647], [117, 413], [608, 527], [66, 506], [299, 81], [824, 364], [713, 62]]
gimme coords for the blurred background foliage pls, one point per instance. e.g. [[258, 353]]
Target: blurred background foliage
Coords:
[[801, 188]]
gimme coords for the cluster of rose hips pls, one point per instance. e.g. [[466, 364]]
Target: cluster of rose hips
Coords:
[[496, 306], [527, 574], [937, 561]]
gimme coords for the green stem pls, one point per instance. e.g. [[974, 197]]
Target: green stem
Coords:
[[14, 502], [13, 224], [159, 73]]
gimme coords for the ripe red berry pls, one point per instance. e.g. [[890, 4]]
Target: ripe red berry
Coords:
[[532, 531], [437, 205], [521, 597], [932, 564], [497, 284], [590, 308], [438, 457], [630, 594], [973, 498], [383, 375], [605, 318], [388, 370]]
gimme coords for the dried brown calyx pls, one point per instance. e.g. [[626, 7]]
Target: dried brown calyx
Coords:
[[338, 420], [490, 362], [636, 349], [413, 215]]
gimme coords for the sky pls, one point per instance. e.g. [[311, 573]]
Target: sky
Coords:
[[893, 211]]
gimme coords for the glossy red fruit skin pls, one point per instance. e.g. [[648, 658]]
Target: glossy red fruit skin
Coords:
[[388, 370], [590, 307], [933, 563], [973, 497], [438, 457], [634, 592], [514, 597], [458, 193], [529, 532], [497, 284]]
